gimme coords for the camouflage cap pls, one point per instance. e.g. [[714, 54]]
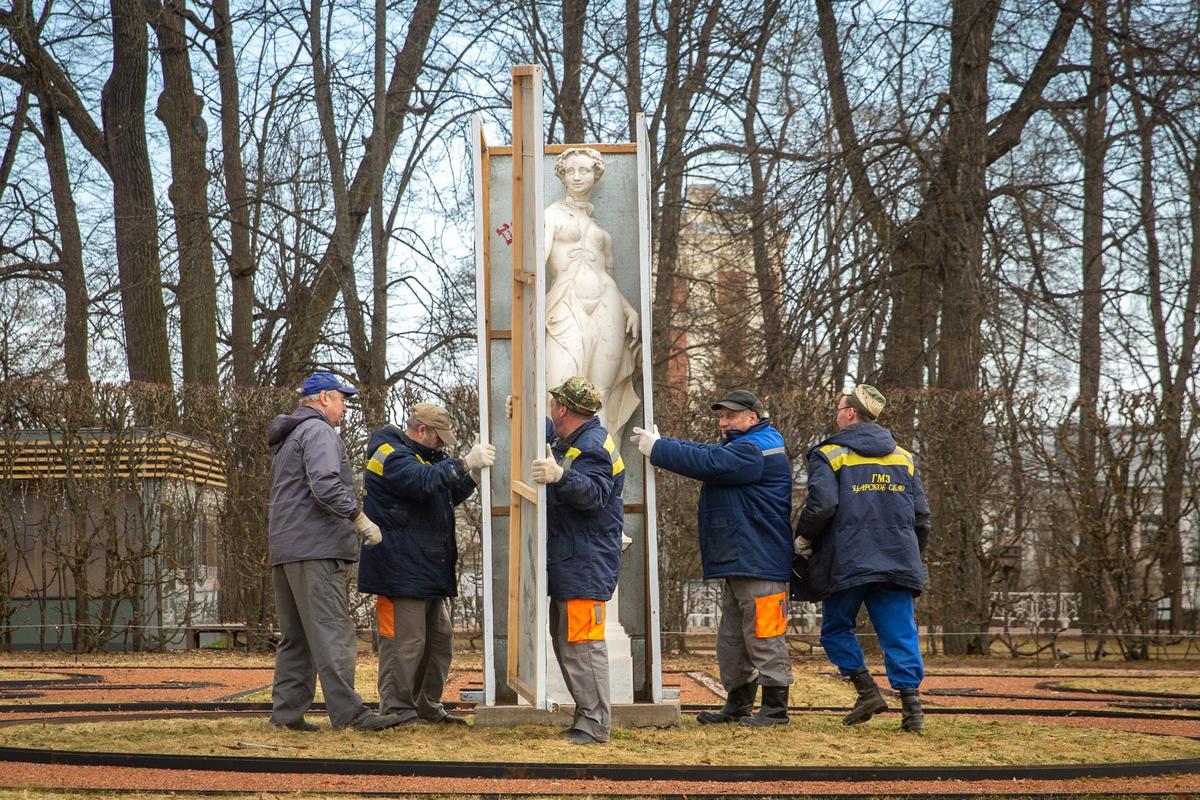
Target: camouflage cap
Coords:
[[866, 399], [578, 394]]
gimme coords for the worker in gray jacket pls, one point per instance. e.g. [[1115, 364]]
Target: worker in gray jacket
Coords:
[[313, 530]]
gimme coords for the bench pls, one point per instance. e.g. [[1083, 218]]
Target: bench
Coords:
[[191, 634]]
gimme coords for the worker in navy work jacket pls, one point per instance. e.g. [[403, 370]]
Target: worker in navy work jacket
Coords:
[[745, 539], [585, 515], [412, 487], [864, 526]]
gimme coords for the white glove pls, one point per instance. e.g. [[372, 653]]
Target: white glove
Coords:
[[367, 531], [802, 547], [625, 542], [645, 439], [481, 455], [508, 406], [547, 470]]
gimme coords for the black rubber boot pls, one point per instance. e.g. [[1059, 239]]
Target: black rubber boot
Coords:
[[773, 711], [738, 704], [913, 719], [870, 700]]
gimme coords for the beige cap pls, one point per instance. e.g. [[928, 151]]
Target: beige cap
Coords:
[[436, 417], [866, 399]]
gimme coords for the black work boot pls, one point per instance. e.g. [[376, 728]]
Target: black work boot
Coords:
[[738, 703], [870, 701], [773, 711], [913, 719]]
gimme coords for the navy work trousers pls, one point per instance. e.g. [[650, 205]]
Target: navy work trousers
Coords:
[[891, 610]]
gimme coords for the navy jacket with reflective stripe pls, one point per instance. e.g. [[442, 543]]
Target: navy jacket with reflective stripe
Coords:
[[585, 515], [745, 502], [411, 491], [865, 513]]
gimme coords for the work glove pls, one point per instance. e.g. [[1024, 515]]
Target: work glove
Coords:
[[625, 542], [802, 547], [645, 439], [367, 531], [508, 406], [547, 470], [481, 455]]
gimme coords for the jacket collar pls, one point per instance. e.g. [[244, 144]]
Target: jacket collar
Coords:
[[427, 453], [594, 422], [755, 428]]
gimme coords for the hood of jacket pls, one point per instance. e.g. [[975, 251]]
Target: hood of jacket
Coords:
[[865, 438], [282, 426]]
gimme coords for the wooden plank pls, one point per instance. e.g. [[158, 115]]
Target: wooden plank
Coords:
[[523, 489], [499, 334], [483, 272], [518, 347], [556, 149], [650, 564]]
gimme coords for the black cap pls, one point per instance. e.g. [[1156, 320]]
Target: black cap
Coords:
[[741, 400]]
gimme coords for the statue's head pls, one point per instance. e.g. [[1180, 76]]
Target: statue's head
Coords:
[[560, 165]]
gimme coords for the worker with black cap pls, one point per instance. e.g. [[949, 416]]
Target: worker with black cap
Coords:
[[745, 539]]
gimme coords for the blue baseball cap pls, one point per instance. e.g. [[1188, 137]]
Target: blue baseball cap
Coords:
[[325, 382]]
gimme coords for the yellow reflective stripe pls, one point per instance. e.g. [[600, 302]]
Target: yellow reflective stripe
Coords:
[[573, 453], [608, 444], [375, 464], [618, 466], [832, 451], [852, 459]]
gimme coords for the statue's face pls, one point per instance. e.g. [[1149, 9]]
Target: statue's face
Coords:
[[579, 174]]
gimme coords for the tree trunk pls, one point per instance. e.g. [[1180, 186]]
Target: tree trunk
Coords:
[[763, 220], [123, 108], [241, 260], [75, 294], [375, 400], [570, 99], [687, 69], [312, 305], [1090, 520], [179, 108], [633, 64]]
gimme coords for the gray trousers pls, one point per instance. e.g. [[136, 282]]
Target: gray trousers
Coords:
[[318, 641], [742, 655], [584, 668], [415, 661]]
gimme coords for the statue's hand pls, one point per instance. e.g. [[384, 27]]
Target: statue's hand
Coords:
[[632, 327]]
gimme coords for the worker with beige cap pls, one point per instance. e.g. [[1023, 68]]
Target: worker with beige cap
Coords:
[[412, 486], [864, 527]]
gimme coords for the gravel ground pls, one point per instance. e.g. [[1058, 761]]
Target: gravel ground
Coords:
[[693, 689]]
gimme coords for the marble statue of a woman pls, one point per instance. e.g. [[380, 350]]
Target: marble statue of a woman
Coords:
[[591, 329]]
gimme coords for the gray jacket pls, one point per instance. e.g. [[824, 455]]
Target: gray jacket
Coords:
[[313, 502]]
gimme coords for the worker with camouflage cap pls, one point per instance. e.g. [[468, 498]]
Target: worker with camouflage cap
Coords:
[[864, 527], [584, 477]]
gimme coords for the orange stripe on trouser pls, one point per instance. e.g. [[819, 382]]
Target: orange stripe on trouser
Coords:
[[387, 617], [769, 619], [585, 621]]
